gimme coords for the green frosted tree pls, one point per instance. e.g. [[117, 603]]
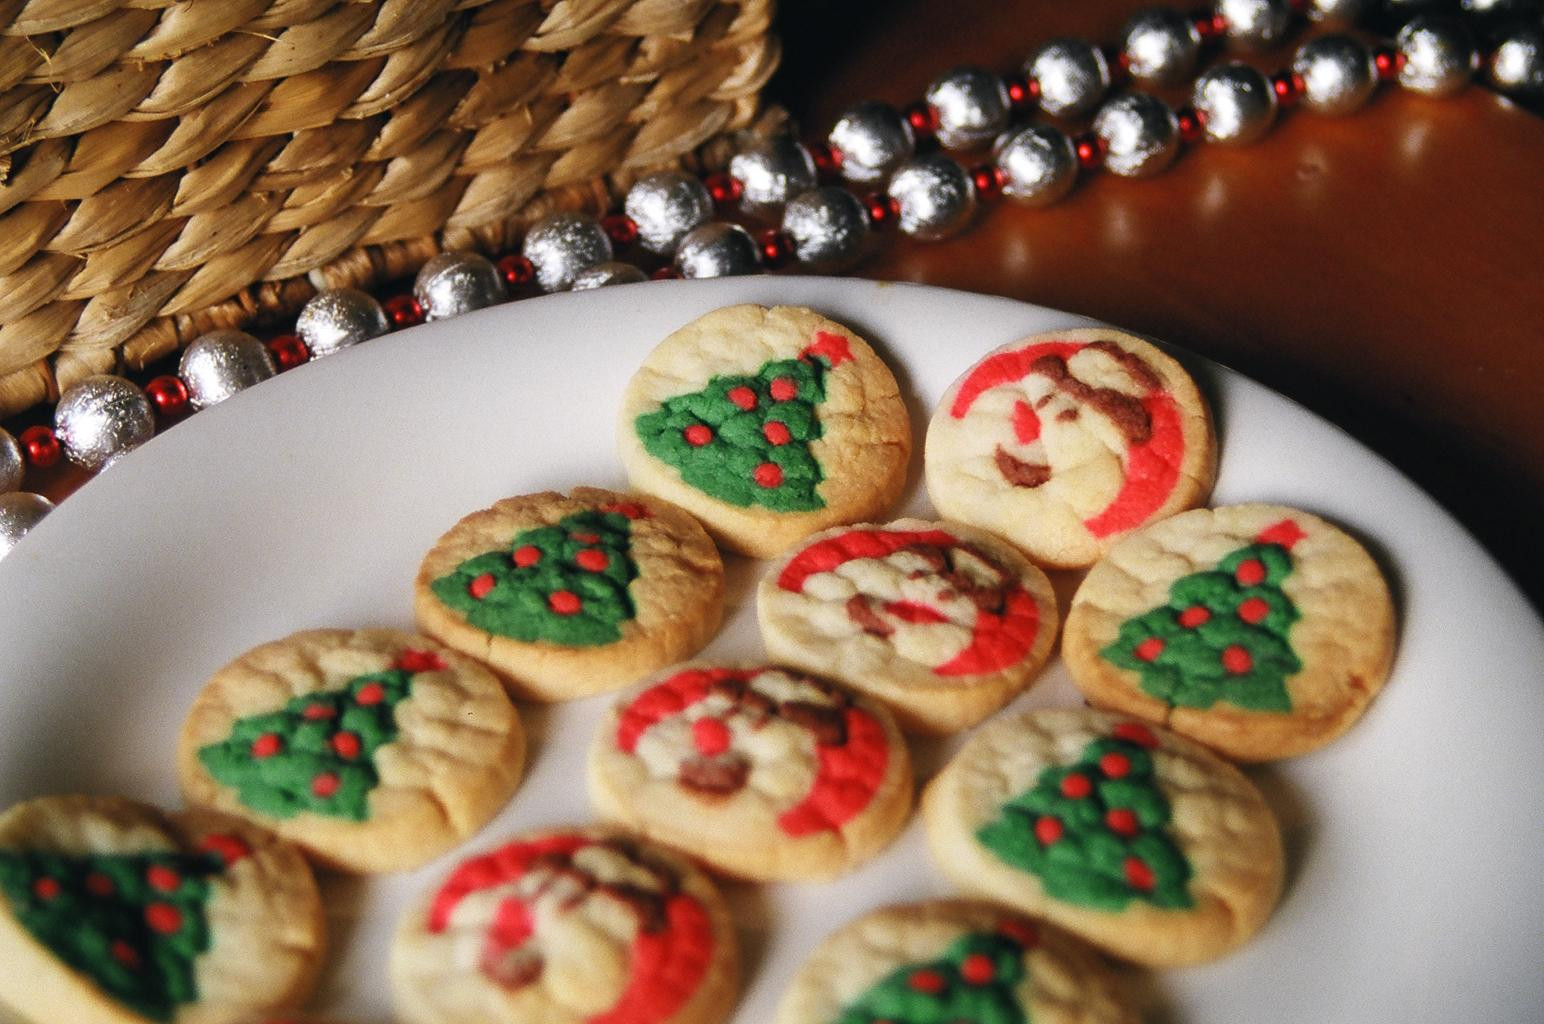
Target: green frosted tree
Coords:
[[973, 981]]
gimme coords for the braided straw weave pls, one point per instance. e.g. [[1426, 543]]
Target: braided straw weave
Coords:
[[171, 167]]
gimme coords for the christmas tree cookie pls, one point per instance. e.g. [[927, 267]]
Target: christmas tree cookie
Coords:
[[583, 926], [1260, 630], [759, 772], [952, 963], [569, 595], [1063, 443], [374, 750], [768, 424], [943, 623], [1138, 840], [112, 912]]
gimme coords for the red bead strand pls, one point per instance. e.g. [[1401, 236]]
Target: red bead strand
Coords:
[[40, 446], [1288, 86], [1090, 150], [289, 351], [775, 246], [621, 229], [403, 310], [725, 189], [989, 180], [883, 210], [923, 118], [827, 160], [169, 395], [517, 270]]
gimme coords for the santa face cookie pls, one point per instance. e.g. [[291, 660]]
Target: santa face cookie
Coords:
[[759, 772], [944, 962], [1259, 630], [574, 927], [767, 424], [570, 595], [112, 912], [372, 749], [943, 623], [1140, 841], [1064, 442]]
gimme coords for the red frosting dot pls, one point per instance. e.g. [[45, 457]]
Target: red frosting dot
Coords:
[[99, 884], [1076, 786], [1195, 615], [1022, 932], [1149, 649], [1048, 830], [370, 694], [525, 556], [479, 587], [743, 397], [769, 474], [228, 848], [163, 879], [125, 953], [1135, 732], [1250, 572], [585, 538], [1254, 610], [784, 389], [978, 969], [325, 784], [698, 434], [1139, 875], [1237, 660], [317, 712], [711, 736], [564, 602], [346, 745], [267, 745], [1122, 821], [45, 888], [420, 661], [926, 980], [776, 433], [1115, 765], [593, 560], [163, 918]]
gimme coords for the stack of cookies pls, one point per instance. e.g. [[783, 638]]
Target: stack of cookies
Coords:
[[1199, 636]]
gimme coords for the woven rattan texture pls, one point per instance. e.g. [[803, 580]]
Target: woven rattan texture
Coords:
[[169, 167]]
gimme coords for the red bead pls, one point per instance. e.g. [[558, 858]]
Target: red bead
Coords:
[[267, 745], [288, 351], [169, 395], [1090, 150], [1022, 92], [665, 273], [325, 785], [346, 745], [827, 159], [923, 118], [711, 736], [926, 980], [46, 888], [883, 209], [1288, 86], [1191, 124], [621, 228], [988, 179], [769, 475], [403, 310], [776, 433], [40, 446], [163, 879], [1119, 65], [1250, 572], [1209, 25], [724, 188], [593, 560], [1149, 649], [370, 694], [1254, 610], [1122, 821], [480, 587], [1076, 786], [125, 953], [564, 602], [98, 884], [776, 247], [517, 270], [228, 848], [1388, 61], [978, 969], [163, 918], [1237, 660], [698, 434], [1139, 875], [1115, 765], [784, 389], [526, 556], [1194, 616]]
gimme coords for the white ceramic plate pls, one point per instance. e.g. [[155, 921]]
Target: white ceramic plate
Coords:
[[1415, 890]]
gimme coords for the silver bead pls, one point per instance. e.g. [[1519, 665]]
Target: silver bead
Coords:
[[608, 273], [1140, 134], [1496, 8], [935, 195], [562, 244], [874, 139], [1160, 46], [19, 513], [219, 364], [972, 105], [772, 172], [453, 283], [11, 465], [101, 418], [719, 249], [1337, 12], [1337, 72], [1254, 24], [1235, 103], [1072, 76], [1516, 65], [1439, 55], [665, 206], [1039, 164], [828, 226], [335, 319]]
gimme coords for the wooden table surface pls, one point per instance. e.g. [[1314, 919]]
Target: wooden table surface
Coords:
[[1385, 269]]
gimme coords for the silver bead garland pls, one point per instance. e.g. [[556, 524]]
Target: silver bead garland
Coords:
[[771, 172], [1235, 103], [719, 249], [20, 511], [1337, 72], [603, 275], [11, 465], [665, 206], [1439, 55], [338, 318], [1161, 46], [1038, 162], [1140, 134], [935, 195], [1255, 24], [100, 419], [560, 245], [874, 139], [972, 106], [1073, 77], [828, 227], [220, 364], [453, 283]]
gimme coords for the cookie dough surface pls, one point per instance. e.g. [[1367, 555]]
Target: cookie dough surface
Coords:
[[1138, 840], [1064, 442], [768, 424], [112, 912], [1260, 630], [570, 595], [759, 772], [374, 750], [941, 622]]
